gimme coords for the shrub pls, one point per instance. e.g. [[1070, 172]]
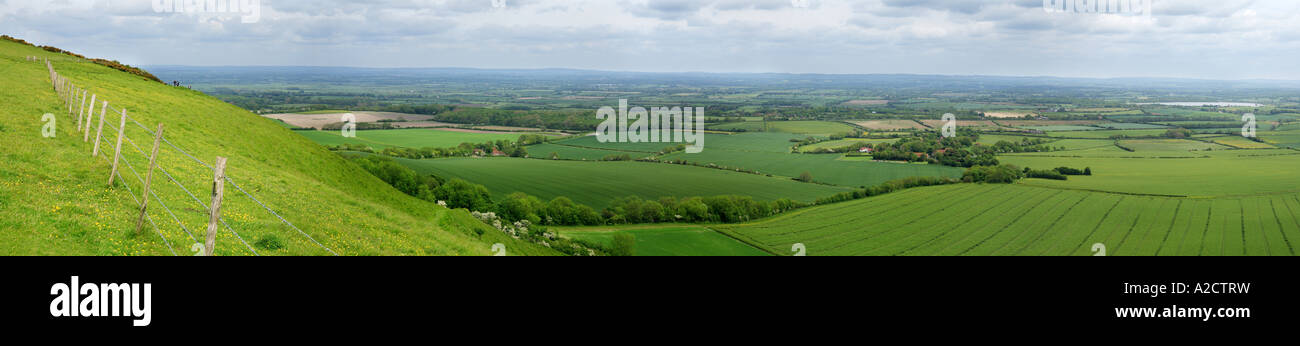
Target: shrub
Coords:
[[805, 177], [1000, 174], [1044, 174], [624, 245], [269, 242]]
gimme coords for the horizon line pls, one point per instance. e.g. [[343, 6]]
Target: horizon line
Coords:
[[724, 73]]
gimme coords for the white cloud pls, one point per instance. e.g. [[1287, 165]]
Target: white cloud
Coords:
[[1193, 38]]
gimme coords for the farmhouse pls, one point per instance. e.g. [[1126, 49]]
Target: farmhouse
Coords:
[[865, 150]]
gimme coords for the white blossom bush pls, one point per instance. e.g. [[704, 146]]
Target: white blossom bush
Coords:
[[522, 230]]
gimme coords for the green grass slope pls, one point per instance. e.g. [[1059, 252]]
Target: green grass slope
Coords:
[[54, 199]]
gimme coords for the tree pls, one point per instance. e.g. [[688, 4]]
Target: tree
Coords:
[[463, 194], [562, 211], [624, 245], [805, 177], [520, 206], [1087, 171]]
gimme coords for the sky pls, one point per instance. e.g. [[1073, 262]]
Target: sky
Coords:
[[1209, 39]]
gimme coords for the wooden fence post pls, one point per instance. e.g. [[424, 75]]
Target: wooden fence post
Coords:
[[117, 150], [99, 133], [81, 111], [214, 216], [90, 115], [148, 179]]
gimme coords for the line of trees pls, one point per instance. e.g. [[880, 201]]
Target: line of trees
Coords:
[[1006, 174]]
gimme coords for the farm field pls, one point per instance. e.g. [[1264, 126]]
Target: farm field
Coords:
[[1241, 142], [1130, 126], [747, 126], [565, 152], [1102, 134], [317, 119], [1013, 220], [667, 240], [644, 147], [842, 143], [889, 124], [1287, 139], [596, 184], [1007, 114], [408, 138], [1203, 174], [1086, 144], [1068, 144], [824, 168], [1061, 128], [819, 128], [1145, 145], [772, 142], [968, 124], [1018, 123]]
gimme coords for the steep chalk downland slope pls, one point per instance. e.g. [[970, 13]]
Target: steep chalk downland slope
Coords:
[[54, 199]]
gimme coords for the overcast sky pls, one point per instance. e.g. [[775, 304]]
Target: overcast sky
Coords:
[[1217, 39]]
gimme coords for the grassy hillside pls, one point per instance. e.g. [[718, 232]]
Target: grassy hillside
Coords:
[[54, 199]]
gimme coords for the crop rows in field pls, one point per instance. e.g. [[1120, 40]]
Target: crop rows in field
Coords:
[[567, 152], [1010, 220], [596, 184]]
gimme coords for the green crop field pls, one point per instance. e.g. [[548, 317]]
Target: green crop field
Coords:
[[751, 141], [598, 183], [1018, 220], [749, 126], [823, 167], [566, 152], [667, 240], [1130, 126], [819, 128], [1202, 174], [1242, 142], [1106, 133], [646, 147], [1145, 145], [1288, 139], [54, 198], [407, 138], [842, 143], [1061, 128]]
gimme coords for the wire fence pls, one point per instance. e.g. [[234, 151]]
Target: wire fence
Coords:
[[77, 104]]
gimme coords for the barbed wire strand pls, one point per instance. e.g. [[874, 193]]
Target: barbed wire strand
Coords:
[[241, 190], [187, 191], [147, 216]]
